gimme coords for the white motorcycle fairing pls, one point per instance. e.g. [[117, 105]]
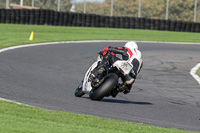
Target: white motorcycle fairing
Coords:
[[124, 66], [86, 88]]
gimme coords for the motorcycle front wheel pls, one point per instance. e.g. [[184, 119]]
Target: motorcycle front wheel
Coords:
[[79, 92], [108, 85]]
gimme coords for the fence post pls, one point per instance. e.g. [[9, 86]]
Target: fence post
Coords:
[[58, 9], [21, 2], [33, 2], [111, 10], [84, 10], [139, 8], [167, 9], [7, 4], [195, 10]]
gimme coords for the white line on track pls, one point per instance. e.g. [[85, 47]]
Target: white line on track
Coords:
[[3, 99], [192, 72]]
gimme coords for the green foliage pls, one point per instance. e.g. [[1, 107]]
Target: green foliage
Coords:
[[24, 119], [42, 4], [178, 9], [2, 3], [11, 34], [198, 72]]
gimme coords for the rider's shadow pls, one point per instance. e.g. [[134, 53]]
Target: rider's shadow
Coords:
[[125, 101]]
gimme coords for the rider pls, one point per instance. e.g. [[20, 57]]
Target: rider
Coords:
[[129, 52]]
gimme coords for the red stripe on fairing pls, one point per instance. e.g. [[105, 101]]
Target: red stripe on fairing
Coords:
[[112, 53], [135, 51], [140, 67], [120, 48], [130, 54], [121, 69], [105, 50]]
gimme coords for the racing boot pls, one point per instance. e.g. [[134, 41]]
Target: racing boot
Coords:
[[97, 71], [114, 93], [101, 68]]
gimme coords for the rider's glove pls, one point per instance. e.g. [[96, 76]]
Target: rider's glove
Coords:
[[122, 88], [127, 91]]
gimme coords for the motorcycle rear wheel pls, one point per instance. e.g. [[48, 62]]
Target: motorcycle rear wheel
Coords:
[[108, 85]]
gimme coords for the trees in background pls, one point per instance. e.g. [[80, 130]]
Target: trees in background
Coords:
[[156, 9], [42, 4], [178, 9]]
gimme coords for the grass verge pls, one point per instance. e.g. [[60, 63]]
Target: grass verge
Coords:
[[11, 35], [198, 72], [20, 118]]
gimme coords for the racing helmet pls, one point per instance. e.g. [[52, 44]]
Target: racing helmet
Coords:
[[131, 45]]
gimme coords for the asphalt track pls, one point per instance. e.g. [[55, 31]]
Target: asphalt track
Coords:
[[164, 94]]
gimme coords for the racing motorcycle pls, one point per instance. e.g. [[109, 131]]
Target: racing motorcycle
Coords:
[[105, 84]]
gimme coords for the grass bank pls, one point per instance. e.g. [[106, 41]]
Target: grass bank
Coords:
[[11, 35], [198, 72], [19, 118]]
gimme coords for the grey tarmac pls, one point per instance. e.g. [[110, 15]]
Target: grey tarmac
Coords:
[[164, 94]]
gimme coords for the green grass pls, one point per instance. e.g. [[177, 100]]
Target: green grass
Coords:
[[20, 118], [198, 72], [25, 119], [11, 35]]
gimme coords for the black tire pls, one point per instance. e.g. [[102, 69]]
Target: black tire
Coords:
[[108, 85], [79, 92]]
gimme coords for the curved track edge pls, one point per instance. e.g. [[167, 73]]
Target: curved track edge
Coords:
[[192, 72]]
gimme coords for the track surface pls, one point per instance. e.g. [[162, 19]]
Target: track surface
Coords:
[[164, 94]]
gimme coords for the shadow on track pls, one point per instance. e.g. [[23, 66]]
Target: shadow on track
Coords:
[[120, 101], [125, 101]]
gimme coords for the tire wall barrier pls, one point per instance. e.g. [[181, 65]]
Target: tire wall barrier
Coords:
[[50, 17]]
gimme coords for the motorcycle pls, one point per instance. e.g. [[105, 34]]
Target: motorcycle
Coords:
[[105, 84]]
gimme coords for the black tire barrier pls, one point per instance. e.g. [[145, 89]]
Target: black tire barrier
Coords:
[[37, 16], [167, 25], [157, 24], [178, 26], [12, 17], [0, 15], [162, 24], [188, 27], [107, 22], [132, 23], [112, 22], [50, 17], [127, 22], [137, 23], [42, 17], [102, 21], [143, 23], [56, 18], [197, 28], [3, 16], [117, 22], [61, 18], [17, 15], [183, 27], [32, 17]]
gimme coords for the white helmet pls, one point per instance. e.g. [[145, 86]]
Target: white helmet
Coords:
[[131, 45]]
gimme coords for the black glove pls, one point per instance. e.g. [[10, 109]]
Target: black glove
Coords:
[[122, 87], [127, 91]]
